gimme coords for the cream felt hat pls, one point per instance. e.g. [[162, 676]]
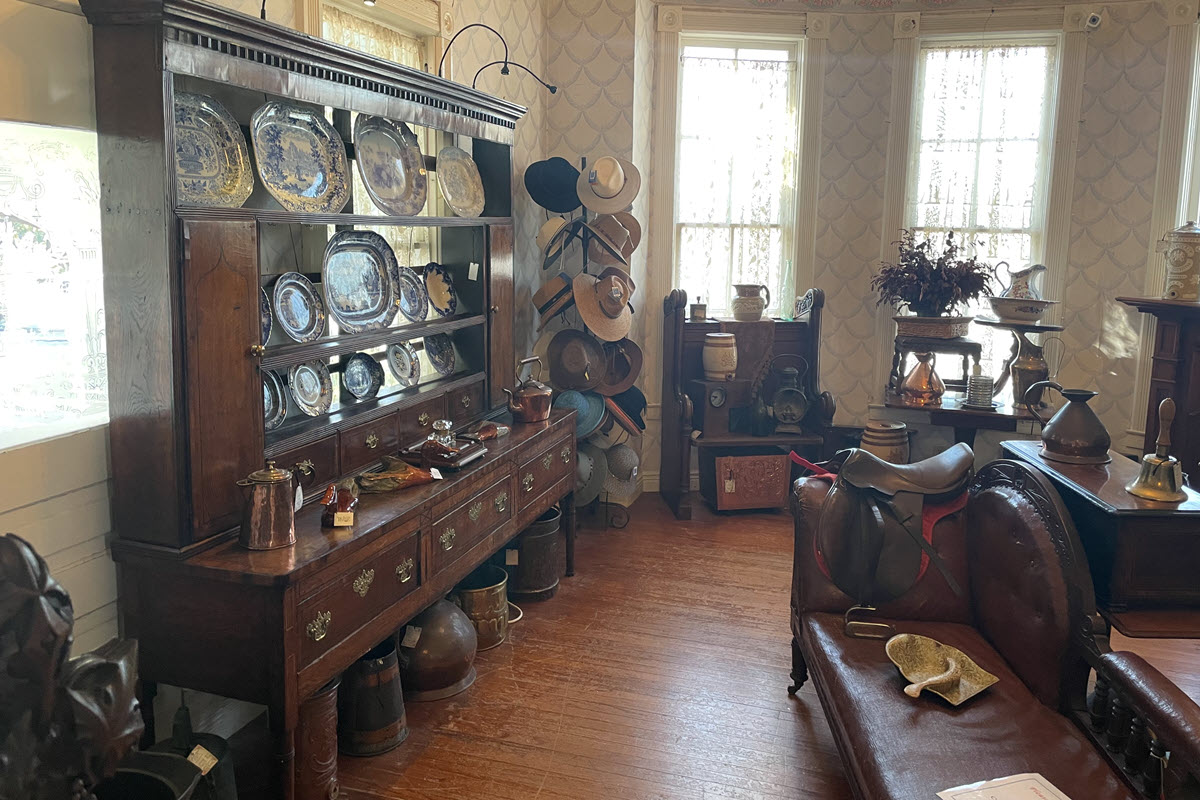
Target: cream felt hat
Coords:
[[609, 185], [553, 238], [610, 243], [604, 305]]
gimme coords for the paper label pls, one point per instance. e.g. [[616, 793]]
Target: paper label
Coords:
[[299, 498], [511, 557], [473, 272], [412, 634], [1026, 786], [730, 486], [437, 476], [343, 519], [203, 759]]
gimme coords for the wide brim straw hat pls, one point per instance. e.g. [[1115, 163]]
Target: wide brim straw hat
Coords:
[[552, 239], [623, 463], [609, 243], [604, 305], [608, 185]]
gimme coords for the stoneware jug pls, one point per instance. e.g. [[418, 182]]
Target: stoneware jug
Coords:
[[748, 304], [1074, 435]]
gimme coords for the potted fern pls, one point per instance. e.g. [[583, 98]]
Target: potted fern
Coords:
[[932, 286]]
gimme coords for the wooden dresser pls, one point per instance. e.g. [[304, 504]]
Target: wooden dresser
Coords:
[[190, 365]]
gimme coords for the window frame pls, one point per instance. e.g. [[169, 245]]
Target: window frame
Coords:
[[782, 296], [1189, 193]]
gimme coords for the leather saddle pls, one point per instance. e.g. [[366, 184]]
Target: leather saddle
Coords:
[[869, 531]]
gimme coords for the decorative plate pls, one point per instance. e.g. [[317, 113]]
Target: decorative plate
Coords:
[[414, 300], [274, 400], [212, 162], [264, 314], [402, 361], [440, 349], [312, 388], [298, 307], [458, 177], [390, 163], [358, 279], [362, 376], [301, 158], [440, 287]]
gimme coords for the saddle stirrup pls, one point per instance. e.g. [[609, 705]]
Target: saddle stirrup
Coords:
[[865, 629]]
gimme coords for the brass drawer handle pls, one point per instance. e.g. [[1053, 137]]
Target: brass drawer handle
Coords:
[[423, 420], [372, 441], [501, 502], [257, 350], [527, 482], [404, 570], [547, 461], [447, 539], [466, 401], [306, 467], [317, 629], [566, 454], [474, 512], [362, 583]]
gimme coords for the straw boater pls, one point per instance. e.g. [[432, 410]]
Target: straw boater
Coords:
[[553, 297], [609, 185], [604, 305]]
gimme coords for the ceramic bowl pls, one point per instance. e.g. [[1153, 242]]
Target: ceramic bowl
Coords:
[[1018, 309]]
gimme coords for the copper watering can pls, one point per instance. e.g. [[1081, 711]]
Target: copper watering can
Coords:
[[1074, 435], [531, 401], [268, 514]]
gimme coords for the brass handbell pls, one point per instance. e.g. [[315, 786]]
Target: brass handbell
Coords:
[[1161, 477]]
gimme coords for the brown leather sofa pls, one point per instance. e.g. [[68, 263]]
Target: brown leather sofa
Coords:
[[1027, 614]]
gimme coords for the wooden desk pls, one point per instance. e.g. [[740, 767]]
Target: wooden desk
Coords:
[[1144, 555], [965, 421]]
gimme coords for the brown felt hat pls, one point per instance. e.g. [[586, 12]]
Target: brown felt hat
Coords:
[[623, 364], [604, 305], [610, 243], [630, 223], [576, 361], [554, 296]]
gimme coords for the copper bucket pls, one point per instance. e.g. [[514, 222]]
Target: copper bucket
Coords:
[[484, 598], [371, 717], [534, 576], [316, 746]]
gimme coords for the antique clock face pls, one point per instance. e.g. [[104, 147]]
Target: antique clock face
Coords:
[[716, 398]]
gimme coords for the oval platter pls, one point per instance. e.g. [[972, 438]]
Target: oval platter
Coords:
[[212, 161], [440, 350], [301, 159], [274, 400], [359, 278], [312, 388], [298, 307], [264, 314], [458, 178], [414, 300], [390, 164], [362, 376], [404, 364], [440, 288]]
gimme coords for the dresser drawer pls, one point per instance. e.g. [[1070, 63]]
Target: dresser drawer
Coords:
[[545, 469], [356, 596], [321, 457], [416, 422], [465, 403], [366, 443], [469, 523]]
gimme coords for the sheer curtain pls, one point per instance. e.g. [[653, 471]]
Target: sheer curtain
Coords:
[[736, 173]]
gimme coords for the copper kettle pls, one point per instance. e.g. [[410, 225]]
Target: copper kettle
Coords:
[[1074, 435], [268, 515], [531, 401]]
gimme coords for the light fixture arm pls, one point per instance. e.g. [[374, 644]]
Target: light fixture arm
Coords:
[[465, 28], [553, 89]]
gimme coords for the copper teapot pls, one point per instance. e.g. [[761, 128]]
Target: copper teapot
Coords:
[[268, 515], [1074, 435], [531, 401]]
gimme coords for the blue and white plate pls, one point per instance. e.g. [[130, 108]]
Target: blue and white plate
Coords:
[[440, 287], [362, 376], [390, 163], [402, 361], [414, 300], [264, 314], [301, 158], [458, 178], [298, 307], [274, 400], [312, 388], [440, 350], [212, 162], [358, 277]]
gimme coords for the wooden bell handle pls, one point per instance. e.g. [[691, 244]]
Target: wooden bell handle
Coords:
[[1166, 417]]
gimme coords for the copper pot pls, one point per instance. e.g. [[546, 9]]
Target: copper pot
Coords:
[[441, 661], [1074, 435], [268, 515], [531, 401]]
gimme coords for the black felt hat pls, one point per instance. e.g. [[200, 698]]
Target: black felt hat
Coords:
[[633, 403], [552, 185]]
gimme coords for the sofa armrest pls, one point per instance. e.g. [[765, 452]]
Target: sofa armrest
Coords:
[[1169, 713]]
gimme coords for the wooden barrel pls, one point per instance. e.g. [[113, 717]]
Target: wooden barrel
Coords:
[[888, 440], [371, 716], [316, 745], [534, 576]]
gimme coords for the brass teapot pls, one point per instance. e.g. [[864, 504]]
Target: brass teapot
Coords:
[[531, 401], [1074, 435], [268, 515]]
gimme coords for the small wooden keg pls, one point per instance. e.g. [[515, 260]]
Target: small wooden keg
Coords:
[[534, 576], [888, 440], [371, 717], [316, 745]]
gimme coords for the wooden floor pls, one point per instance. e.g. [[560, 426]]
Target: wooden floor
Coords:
[[658, 672]]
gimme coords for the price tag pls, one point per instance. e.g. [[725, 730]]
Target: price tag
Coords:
[[511, 557], [412, 634], [299, 498], [343, 519], [203, 759], [437, 476], [730, 486], [473, 272]]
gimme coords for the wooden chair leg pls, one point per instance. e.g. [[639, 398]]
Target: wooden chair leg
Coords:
[[799, 668]]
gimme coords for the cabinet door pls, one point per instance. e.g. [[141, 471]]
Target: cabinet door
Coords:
[[224, 390], [502, 359]]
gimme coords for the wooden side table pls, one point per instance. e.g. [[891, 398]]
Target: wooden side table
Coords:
[[1144, 555]]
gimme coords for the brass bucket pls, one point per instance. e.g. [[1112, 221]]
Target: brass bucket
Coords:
[[484, 598]]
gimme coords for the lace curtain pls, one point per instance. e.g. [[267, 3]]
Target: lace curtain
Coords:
[[736, 176]]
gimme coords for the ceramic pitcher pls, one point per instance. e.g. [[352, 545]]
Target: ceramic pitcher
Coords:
[[1022, 287], [748, 304]]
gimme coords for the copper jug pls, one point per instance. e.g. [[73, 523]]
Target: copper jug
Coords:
[[268, 516], [531, 401], [1074, 435]]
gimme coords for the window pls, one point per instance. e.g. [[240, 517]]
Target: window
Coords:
[[980, 158], [736, 170], [52, 352]]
